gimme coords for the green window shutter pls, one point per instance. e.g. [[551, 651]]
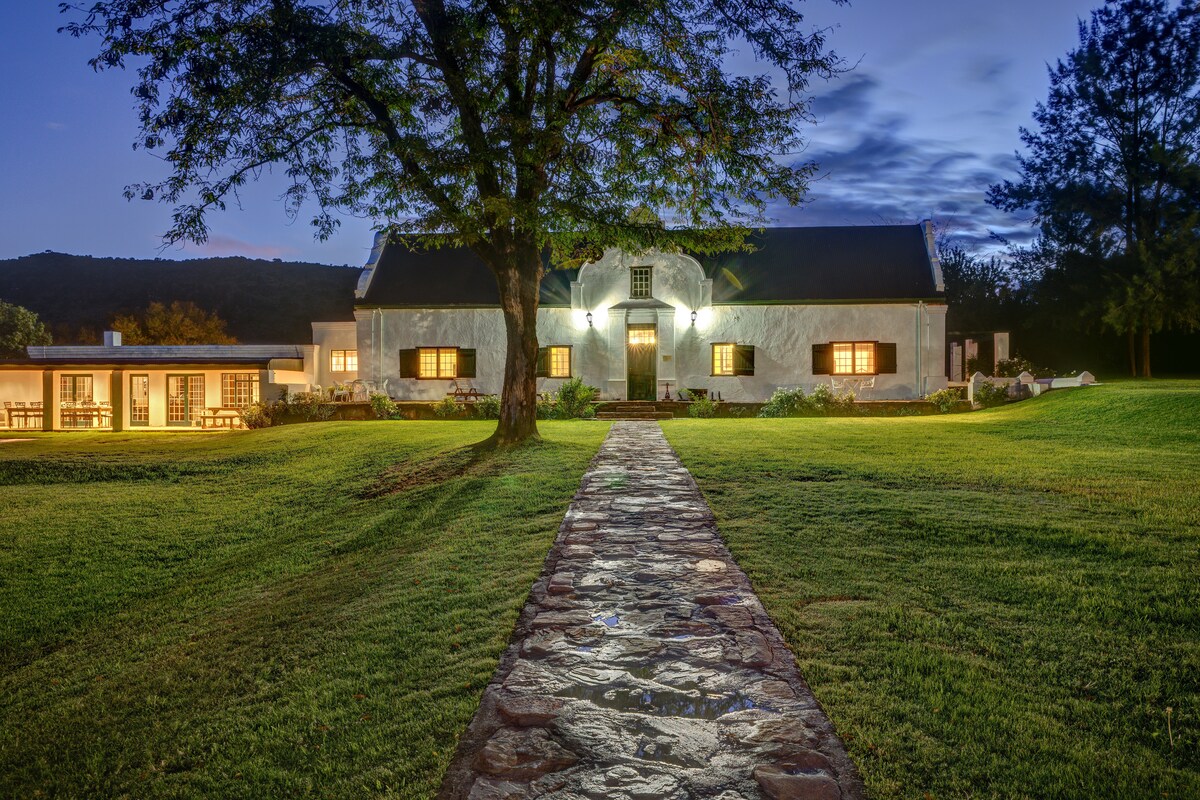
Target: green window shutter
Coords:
[[822, 357], [743, 359], [885, 358], [543, 362], [466, 363], [408, 363]]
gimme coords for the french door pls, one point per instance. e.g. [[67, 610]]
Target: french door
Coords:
[[139, 400], [185, 398]]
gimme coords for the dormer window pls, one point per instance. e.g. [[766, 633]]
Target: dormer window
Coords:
[[639, 282]]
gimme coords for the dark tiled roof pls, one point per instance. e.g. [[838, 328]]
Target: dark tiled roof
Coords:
[[868, 262], [788, 265], [449, 276]]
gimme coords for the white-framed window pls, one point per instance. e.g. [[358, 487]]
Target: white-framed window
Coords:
[[640, 282], [560, 361], [239, 389], [437, 362], [642, 334], [343, 360], [854, 358], [722, 359]]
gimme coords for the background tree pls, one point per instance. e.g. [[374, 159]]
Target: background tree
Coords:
[[1112, 175], [178, 323], [517, 129], [19, 328], [980, 292]]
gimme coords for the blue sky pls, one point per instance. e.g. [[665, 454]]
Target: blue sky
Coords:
[[924, 122]]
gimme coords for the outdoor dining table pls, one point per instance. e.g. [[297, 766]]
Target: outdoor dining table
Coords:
[[94, 414], [24, 413], [222, 417]]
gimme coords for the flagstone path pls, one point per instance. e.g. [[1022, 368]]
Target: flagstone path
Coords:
[[643, 665]]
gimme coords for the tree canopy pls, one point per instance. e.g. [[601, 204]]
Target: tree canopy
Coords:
[[178, 323], [510, 127], [1112, 173], [20, 328]]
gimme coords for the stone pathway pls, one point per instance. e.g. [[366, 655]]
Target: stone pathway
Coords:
[[643, 665]]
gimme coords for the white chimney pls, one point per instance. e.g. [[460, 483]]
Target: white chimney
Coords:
[[112, 338]]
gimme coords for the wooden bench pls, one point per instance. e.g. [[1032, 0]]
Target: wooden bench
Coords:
[[461, 395], [220, 417]]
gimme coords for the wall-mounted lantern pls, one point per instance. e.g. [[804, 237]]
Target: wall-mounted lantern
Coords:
[[589, 318], [693, 319]]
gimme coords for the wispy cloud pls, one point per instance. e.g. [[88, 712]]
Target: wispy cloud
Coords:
[[220, 245], [56, 126], [876, 166]]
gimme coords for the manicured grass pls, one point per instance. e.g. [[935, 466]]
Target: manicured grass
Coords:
[[997, 604], [310, 610]]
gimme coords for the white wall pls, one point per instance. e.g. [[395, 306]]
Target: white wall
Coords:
[[329, 336]]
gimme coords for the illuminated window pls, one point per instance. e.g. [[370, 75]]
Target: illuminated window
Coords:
[[854, 358], [639, 282], [343, 360], [437, 362], [641, 335], [560, 362], [722, 359], [239, 389], [139, 399]]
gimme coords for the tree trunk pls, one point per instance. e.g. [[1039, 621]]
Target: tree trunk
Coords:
[[1132, 353], [518, 281], [1145, 352]]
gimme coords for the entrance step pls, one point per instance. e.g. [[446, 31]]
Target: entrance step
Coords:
[[642, 414]]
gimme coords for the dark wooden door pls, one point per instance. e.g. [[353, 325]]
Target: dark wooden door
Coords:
[[641, 357]]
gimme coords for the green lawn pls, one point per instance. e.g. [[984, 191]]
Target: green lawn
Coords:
[[997, 604], [307, 610]]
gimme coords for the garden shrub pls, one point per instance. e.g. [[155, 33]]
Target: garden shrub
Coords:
[[988, 394], [488, 406], [944, 400], [702, 408], [785, 403], [824, 401], [446, 408], [1012, 367], [312, 406], [574, 400], [545, 407], [262, 414], [383, 406]]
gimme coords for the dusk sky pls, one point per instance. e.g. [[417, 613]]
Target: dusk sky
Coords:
[[925, 121]]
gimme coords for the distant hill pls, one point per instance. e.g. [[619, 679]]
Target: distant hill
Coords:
[[264, 302]]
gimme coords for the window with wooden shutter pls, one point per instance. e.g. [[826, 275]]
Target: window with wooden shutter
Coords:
[[465, 363], [850, 358], [885, 358], [409, 365], [560, 361], [722, 358], [543, 363], [822, 359], [743, 359]]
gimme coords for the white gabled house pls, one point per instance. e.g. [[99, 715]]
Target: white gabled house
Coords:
[[854, 307]]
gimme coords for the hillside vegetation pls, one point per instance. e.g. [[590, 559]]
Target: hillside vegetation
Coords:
[[264, 302]]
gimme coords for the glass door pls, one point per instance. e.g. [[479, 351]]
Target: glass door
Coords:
[[185, 398], [139, 400]]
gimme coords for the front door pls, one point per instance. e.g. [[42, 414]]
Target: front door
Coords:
[[642, 353]]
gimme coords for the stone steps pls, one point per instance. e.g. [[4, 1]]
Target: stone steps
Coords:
[[637, 415]]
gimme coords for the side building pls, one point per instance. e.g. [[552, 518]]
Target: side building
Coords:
[[861, 308]]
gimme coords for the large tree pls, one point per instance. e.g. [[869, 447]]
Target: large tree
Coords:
[[20, 328], [182, 322], [1112, 174], [514, 128]]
